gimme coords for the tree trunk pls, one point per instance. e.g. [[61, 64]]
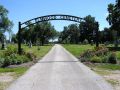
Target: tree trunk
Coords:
[[3, 43], [116, 39]]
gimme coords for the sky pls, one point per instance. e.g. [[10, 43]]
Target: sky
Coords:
[[23, 10]]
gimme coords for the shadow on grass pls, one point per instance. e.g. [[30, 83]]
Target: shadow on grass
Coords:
[[114, 48]]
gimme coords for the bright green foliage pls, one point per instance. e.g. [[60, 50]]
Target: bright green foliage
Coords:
[[77, 50], [95, 59], [10, 57], [38, 53], [118, 55], [109, 66], [104, 59], [19, 71], [13, 59], [2, 61], [11, 49]]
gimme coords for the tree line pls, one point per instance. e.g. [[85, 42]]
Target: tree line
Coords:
[[37, 34], [76, 33]]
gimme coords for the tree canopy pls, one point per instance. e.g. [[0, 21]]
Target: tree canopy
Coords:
[[76, 33], [5, 25], [39, 33], [114, 19]]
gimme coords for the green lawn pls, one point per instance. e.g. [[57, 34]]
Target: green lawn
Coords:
[[18, 71], [118, 55], [77, 49], [108, 67], [39, 53]]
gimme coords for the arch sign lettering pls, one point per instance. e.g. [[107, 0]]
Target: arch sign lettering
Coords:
[[51, 17]]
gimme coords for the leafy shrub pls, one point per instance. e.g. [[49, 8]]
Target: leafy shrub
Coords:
[[10, 50], [98, 51], [31, 55], [18, 59], [83, 59], [107, 43], [1, 61], [95, 59], [104, 59], [88, 54], [85, 41], [7, 61], [118, 56], [99, 48], [101, 51], [11, 57], [112, 58], [22, 59]]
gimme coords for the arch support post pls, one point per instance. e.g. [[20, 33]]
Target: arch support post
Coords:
[[97, 34], [19, 39]]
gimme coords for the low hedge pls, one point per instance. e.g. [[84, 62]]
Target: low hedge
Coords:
[[11, 57], [99, 55]]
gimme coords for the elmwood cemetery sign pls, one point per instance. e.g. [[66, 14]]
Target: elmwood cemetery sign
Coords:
[[45, 18]]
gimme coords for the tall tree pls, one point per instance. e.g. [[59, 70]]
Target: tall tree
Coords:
[[88, 28], [114, 18], [70, 34], [5, 23], [64, 35], [74, 33], [53, 33]]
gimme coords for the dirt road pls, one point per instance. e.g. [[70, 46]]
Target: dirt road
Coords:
[[59, 70]]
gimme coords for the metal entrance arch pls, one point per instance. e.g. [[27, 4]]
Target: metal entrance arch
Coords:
[[47, 18]]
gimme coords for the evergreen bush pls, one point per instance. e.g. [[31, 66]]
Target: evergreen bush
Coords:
[[112, 58]]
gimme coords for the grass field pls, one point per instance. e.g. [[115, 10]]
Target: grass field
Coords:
[[18, 71], [39, 53], [118, 55], [76, 50], [108, 66]]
